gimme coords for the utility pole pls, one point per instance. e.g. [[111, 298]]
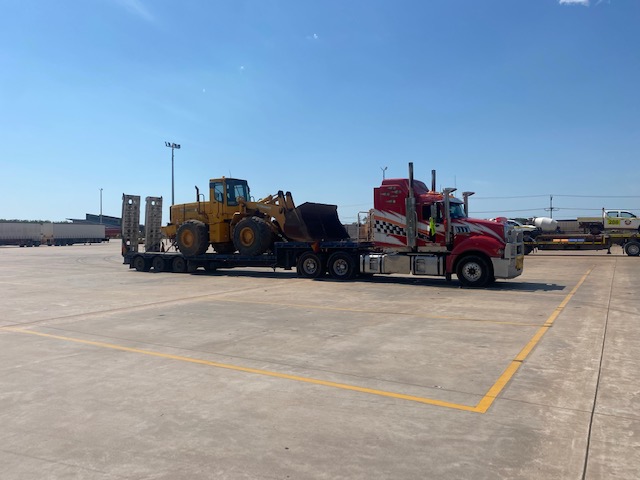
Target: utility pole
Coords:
[[101, 206], [551, 208], [172, 146]]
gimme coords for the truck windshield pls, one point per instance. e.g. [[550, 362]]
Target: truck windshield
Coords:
[[236, 189], [457, 210]]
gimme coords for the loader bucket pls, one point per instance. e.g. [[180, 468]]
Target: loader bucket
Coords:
[[314, 222]]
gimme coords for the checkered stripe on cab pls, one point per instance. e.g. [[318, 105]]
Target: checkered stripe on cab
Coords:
[[389, 228]]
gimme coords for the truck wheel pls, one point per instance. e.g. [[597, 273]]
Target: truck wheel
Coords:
[[140, 264], [341, 266], [632, 248], [252, 236], [158, 264], [192, 238], [310, 265], [473, 271], [179, 265]]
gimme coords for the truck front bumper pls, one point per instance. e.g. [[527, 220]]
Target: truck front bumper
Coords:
[[508, 267]]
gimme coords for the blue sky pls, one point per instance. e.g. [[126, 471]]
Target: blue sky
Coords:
[[516, 100]]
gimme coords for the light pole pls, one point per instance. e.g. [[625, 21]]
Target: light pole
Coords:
[[172, 146], [100, 206], [384, 169]]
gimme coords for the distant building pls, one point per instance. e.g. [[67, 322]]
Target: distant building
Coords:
[[112, 225]]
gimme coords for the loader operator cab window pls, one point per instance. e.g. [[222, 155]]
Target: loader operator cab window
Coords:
[[235, 190], [218, 191]]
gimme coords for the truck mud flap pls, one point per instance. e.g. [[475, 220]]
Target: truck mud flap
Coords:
[[314, 222]]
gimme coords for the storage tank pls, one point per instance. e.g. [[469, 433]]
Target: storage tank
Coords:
[[545, 224]]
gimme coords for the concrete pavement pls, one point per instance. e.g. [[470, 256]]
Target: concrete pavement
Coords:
[[109, 373]]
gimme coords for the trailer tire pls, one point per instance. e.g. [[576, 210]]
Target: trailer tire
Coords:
[[140, 264], [179, 265], [158, 264], [341, 266], [632, 248], [310, 265], [473, 271], [252, 236], [192, 238]]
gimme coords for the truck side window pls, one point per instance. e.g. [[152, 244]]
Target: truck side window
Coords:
[[426, 212]]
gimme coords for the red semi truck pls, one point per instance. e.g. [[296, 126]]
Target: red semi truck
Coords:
[[411, 230]]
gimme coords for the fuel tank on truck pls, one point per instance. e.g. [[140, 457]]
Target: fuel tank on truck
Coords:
[[314, 222], [546, 224]]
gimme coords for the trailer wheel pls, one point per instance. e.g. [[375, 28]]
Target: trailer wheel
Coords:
[[473, 271], [192, 238], [310, 265], [252, 236], [341, 266], [140, 264], [179, 265], [158, 264], [632, 248]]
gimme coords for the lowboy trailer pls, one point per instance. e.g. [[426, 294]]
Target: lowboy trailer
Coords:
[[412, 230]]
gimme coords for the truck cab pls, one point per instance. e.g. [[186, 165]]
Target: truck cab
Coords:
[[411, 220]]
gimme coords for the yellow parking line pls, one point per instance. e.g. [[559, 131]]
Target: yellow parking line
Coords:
[[268, 373], [481, 407], [510, 371]]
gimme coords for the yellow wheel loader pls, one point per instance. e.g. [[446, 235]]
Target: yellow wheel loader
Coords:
[[230, 222]]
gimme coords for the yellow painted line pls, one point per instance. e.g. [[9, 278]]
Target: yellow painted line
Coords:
[[315, 381], [510, 371], [481, 407]]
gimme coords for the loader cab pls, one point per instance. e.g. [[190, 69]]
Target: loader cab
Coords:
[[228, 191]]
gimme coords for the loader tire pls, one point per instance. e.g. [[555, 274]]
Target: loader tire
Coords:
[[192, 238], [252, 236]]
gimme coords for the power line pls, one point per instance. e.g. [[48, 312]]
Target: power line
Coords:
[[564, 196]]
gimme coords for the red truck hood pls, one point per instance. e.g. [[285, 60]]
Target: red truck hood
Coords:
[[476, 226]]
